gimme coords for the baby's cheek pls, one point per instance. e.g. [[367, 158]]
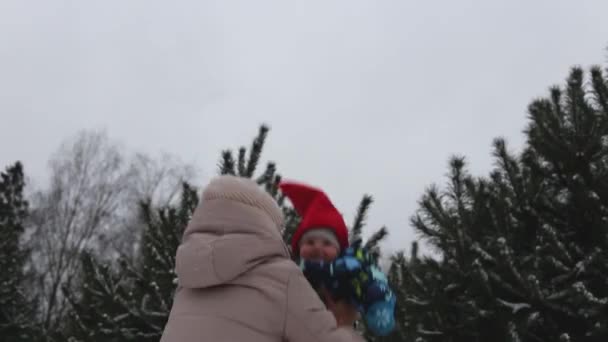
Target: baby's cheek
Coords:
[[330, 253], [305, 253]]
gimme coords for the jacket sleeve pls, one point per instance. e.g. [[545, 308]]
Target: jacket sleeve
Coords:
[[307, 319]]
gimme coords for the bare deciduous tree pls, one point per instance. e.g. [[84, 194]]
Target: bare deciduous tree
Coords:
[[88, 183], [157, 181], [91, 203]]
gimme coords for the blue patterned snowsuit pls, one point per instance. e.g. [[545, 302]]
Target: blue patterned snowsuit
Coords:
[[353, 276]]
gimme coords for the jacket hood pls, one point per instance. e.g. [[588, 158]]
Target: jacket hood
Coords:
[[235, 227]]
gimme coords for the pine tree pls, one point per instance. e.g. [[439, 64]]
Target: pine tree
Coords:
[[132, 301], [524, 252], [246, 165], [16, 310], [102, 308]]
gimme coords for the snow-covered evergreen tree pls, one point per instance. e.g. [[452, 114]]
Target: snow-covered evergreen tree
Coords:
[[17, 315], [524, 252], [132, 301]]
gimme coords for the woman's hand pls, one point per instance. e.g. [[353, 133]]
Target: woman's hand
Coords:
[[345, 313]]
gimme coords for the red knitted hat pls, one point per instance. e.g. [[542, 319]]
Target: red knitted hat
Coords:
[[316, 211]]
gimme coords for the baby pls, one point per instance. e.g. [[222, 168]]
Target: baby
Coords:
[[338, 272]]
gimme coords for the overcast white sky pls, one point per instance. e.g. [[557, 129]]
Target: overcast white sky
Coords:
[[362, 96]]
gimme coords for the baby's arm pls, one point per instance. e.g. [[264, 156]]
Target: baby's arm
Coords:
[[307, 319], [352, 277], [380, 311]]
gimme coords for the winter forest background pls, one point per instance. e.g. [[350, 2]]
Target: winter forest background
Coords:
[[519, 254]]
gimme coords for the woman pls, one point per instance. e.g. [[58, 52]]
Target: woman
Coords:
[[236, 281]]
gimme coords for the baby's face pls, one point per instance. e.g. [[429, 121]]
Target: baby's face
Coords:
[[318, 249]]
